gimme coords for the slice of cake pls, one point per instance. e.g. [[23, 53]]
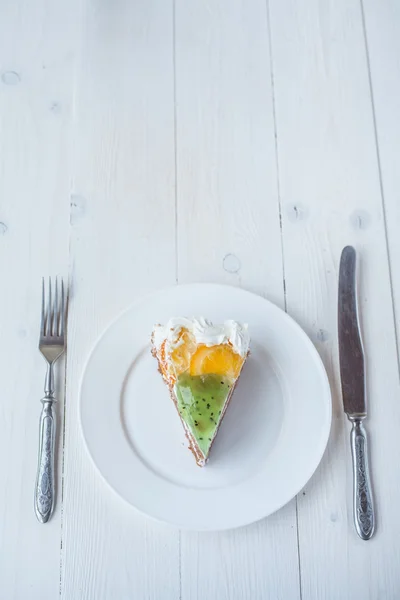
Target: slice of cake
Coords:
[[201, 363]]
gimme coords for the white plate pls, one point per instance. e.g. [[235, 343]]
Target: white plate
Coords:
[[271, 440]]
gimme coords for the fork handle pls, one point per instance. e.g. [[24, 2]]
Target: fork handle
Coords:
[[44, 488]]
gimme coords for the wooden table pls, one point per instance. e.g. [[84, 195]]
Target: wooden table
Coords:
[[145, 143]]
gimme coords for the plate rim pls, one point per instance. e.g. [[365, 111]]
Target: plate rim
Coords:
[[325, 435]]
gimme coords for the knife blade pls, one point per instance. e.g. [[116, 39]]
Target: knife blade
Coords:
[[352, 374], [351, 354]]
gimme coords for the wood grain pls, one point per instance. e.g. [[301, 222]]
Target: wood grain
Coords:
[[229, 231], [122, 244], [330, 193], [382, 30], [145, 143], [36, 74]]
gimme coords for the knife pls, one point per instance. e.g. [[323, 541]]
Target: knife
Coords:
[[352, 374]]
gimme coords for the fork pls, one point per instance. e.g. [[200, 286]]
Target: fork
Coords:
[[52, 346]]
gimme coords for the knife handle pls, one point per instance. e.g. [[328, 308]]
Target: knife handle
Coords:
[[44, 488], [364, 517]]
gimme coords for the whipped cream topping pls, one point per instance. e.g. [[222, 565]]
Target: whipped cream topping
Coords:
[[204, 332]]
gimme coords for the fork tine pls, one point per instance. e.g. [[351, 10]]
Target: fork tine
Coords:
[[56, 311], [49, 331], [42, 323], [62, 315]]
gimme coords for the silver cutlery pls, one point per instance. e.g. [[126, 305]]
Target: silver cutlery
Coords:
[[352, 372], [52, 346]]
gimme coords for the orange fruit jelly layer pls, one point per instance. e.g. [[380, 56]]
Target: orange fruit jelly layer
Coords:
[[220, 360], [203, 360]]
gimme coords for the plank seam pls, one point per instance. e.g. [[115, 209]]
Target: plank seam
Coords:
[[175, 137], [271, 69], [278, 188], [69, 286], [381, 186], [176, 224]]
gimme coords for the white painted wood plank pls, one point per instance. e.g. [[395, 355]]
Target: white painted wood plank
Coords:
[[225, 147], [330, 192], [229, 231], [382, 23], [37, 44], [122, 244]]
